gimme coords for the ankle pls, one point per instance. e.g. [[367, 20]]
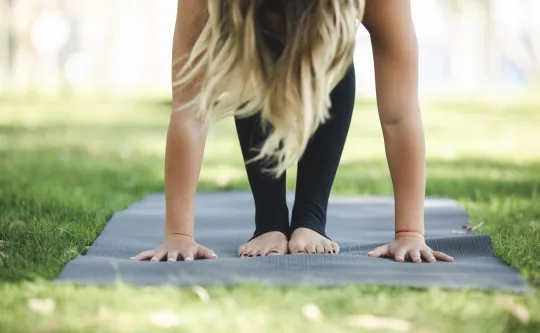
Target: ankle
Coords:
[[259, 233], [315, 228]]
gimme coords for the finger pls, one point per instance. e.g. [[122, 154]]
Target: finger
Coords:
[[335, 246], [319, 249], [428, 256], [400, 255], [442, 256], [172, 256], [159, 255], [188, 256], [206, 253], [143, 255], [381, 251], [415, 256]]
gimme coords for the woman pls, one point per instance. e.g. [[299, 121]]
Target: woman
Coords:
[[283, 69]]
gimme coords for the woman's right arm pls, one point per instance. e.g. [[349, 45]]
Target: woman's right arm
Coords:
[[185, 136], [184, 148]]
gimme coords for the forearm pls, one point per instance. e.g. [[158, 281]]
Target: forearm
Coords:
[[395, 54], [186, 137], [405, 151], [183, 160]]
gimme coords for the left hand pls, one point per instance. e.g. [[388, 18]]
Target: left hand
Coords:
[[409, 247]]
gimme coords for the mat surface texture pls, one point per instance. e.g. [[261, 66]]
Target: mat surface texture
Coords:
[[224, 220]]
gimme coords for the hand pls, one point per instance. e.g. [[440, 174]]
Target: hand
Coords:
[[177, 247], [409, 247]]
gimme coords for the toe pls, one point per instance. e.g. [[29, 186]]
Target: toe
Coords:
[[245, 252], [335, 247], [242, 250], [311, 249], [263, 252], [254, 252], [293, 249], [297, 250], [328, 248], [275, 252]]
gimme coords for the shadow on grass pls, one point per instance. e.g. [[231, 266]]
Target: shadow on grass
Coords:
[[515, 326], [63, 203]]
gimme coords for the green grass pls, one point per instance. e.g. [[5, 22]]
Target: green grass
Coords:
[[66, 167]]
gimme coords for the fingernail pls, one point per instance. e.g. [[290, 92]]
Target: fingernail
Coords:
[[188, 259], [371, 253], [131, 258], [171, 259]]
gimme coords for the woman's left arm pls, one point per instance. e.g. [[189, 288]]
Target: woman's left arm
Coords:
[[395, 54]]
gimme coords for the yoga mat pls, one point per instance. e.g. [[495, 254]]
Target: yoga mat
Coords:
[[224, 220]]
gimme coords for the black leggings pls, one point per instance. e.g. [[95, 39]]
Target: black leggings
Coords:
[[316, 168]]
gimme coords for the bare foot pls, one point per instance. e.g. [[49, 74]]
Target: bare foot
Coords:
[[307, 241], [269, 244]]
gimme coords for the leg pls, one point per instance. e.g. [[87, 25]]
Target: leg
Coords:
[[316, 172], [269, 195]]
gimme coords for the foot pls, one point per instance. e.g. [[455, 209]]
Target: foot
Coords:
[[269, 244], [307, 241]]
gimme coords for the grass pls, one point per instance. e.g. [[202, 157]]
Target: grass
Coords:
[[65, 167]]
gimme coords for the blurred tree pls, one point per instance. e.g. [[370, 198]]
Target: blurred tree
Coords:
[[521, 47], [474, 22], [7, 41]]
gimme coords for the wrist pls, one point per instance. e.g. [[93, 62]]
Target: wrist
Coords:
[[179, 235], [179, 226], [409, 233], [179, 229]]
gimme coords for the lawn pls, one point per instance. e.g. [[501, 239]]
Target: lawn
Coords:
[[66, 167]]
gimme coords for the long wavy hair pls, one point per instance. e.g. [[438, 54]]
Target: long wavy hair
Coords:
[[291, 90]]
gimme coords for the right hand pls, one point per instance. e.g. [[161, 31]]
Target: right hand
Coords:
[[177, 247]]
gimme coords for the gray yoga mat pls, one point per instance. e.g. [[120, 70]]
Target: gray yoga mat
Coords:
[[224, 220]]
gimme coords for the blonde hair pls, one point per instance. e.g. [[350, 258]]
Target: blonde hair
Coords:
[[242, 77]]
